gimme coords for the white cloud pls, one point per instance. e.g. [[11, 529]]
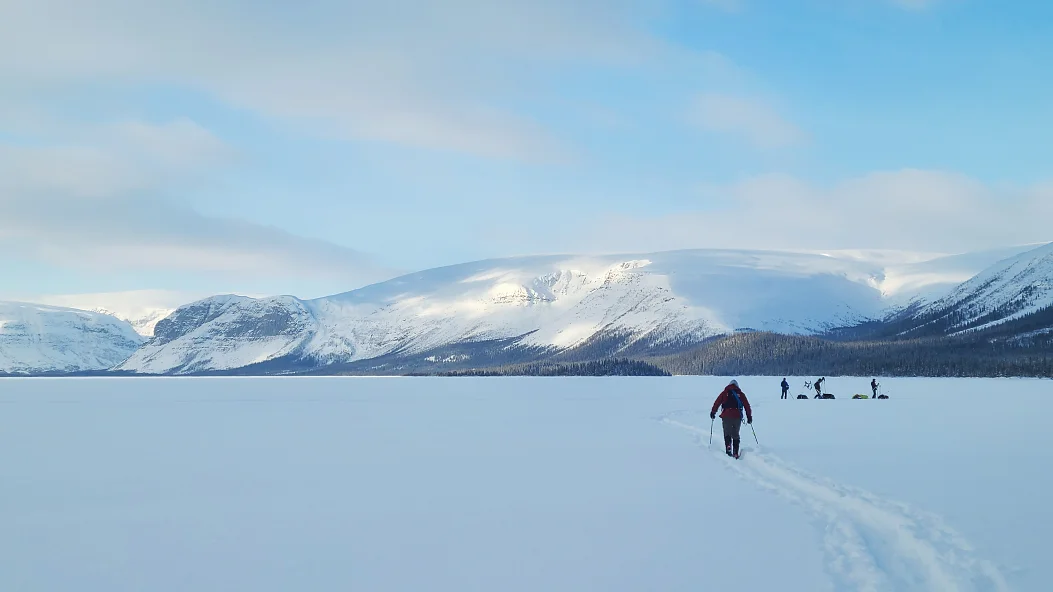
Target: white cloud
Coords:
[[413, 72], [179, 145], [753, 120], [119, 234], [152, 235], [445, 76], [95, 161], [914, 210], [110, 201]]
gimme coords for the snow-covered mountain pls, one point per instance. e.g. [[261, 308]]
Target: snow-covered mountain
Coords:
[[141, 308], [1013, 289], [37, 339], [533, 304], [914, 278], [527, 308]]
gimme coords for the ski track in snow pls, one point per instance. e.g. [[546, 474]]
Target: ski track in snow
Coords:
[[870, 544]]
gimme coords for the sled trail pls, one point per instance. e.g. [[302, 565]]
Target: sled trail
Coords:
[[869, 543]]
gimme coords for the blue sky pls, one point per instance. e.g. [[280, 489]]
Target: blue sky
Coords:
[[312, 147]]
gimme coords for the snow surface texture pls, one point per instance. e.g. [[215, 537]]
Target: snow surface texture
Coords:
[[1011, 289], [562, 484], [553, 302], [871, 544], [37, 339]]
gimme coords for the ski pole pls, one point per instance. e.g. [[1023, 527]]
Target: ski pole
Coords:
[[754, 434], [711, 420]]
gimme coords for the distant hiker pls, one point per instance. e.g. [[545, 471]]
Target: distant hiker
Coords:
[[733, 400], [873, 386], [785, 388], [819, 387]]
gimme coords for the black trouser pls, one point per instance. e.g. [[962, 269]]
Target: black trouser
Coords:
[[784, 391], [731, 432]]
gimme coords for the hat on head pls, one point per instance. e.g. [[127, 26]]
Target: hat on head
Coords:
[[733, 382]]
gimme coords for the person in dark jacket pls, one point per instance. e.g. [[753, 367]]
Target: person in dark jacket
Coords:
[[785, 388], [819, 387], [733, 401], [873, 386]]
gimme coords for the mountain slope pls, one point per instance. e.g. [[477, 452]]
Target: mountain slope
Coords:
[[38, 339], [225, 332], [930, 279], [141, 308], [537, 304], [1012, 290]]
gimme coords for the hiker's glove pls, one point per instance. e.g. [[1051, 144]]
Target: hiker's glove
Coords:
[[749, 420], [712, 415]]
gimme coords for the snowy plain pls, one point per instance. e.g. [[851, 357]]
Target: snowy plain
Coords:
[[520, 484]]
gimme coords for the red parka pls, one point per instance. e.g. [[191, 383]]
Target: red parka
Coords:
[[730, 409]]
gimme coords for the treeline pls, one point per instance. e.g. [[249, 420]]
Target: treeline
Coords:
[[774, 354], [614, 367]]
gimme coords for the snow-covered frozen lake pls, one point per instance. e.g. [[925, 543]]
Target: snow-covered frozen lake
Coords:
[[520, 484]]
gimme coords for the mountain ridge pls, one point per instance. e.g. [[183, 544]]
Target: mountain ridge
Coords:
[[569, 309], [554, 305]]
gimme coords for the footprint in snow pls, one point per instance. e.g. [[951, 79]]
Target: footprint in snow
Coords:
[[870, 544]]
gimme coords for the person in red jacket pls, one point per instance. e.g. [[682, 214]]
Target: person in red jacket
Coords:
[[733, 400]]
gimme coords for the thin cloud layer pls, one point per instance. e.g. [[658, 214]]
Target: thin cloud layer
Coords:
[[752, 120], [99, 161], [111, 202], [131, 233], [918, 210], [463, 125], [410, 72]]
